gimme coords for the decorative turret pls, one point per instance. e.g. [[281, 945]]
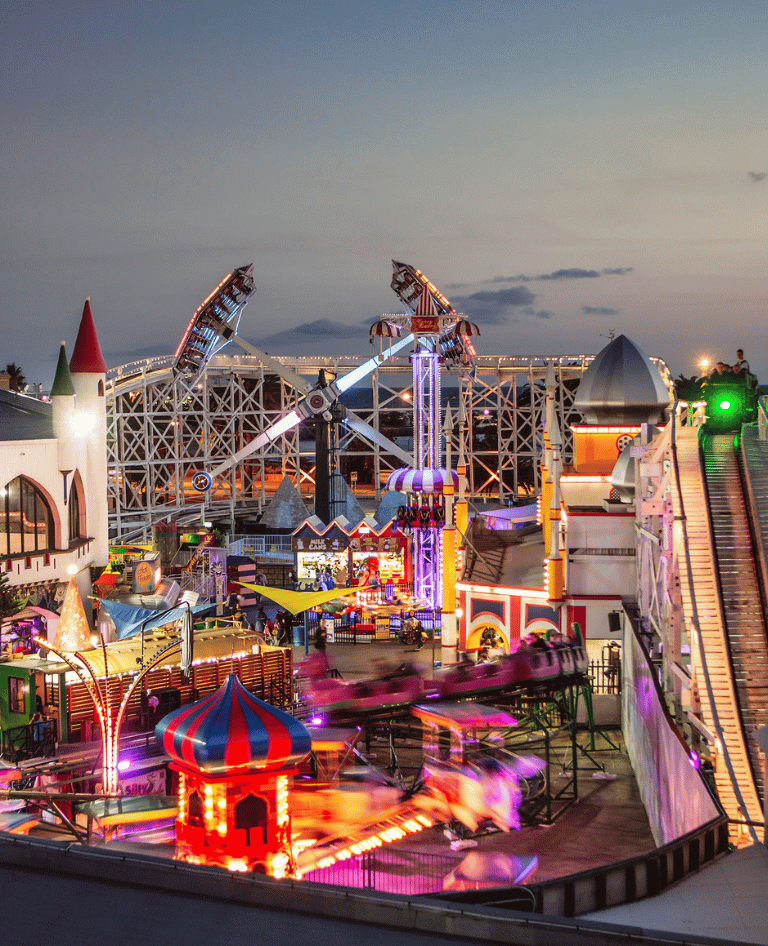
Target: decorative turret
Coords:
[[63, 414], [89, 376], [621, 390], [87, 357], [622, 386]]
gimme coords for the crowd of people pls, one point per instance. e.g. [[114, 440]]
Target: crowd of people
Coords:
[[739, 368]]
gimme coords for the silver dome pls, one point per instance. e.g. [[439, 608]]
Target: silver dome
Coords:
[[622, 386]]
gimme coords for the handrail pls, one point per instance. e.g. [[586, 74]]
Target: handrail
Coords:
[[762, 417], [758, 529], [695, 622]]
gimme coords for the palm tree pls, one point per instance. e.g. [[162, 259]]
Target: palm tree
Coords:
[[688, 389], [17, 381]]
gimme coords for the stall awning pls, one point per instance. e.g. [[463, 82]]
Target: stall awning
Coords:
[[298, 601], [129, 619], [210, 645]]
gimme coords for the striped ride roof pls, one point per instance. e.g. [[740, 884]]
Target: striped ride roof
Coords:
[[409, 480], [426, 304], [233, 731]]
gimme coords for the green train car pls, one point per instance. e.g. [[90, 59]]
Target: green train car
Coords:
[[731, 400]]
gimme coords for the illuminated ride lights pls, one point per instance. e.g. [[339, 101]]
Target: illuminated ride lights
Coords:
[[379, 835], [214, 322]]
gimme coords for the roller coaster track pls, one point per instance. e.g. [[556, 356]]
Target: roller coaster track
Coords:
[[722, 601]]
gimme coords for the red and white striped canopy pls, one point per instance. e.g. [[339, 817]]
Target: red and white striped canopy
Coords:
[[426, 304], [383, 329], [408, 480], [233, 731], [466, 328]]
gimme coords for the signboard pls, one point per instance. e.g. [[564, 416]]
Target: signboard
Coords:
[[144, 578], [202, 481], [425, 324], [308, 541], [377, 544]]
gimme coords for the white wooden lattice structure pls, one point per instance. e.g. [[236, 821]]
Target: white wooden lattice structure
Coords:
[[163, 428]]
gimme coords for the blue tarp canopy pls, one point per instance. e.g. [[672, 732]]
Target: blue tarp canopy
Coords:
[[128, 619]]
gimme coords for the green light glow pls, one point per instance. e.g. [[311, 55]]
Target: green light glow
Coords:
[[725, 405]]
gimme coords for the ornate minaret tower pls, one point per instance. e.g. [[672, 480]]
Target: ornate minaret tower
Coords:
[[89, 371]]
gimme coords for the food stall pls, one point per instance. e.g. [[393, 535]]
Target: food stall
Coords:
[[378, 556], [318, 547]]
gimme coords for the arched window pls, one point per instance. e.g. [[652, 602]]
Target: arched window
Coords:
[[74, 514], [26, 520], [252, 812], [195, 811]]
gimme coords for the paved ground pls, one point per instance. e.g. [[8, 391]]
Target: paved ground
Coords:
[[727, 899]]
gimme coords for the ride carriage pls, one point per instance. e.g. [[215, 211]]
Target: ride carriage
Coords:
[[465, 780]]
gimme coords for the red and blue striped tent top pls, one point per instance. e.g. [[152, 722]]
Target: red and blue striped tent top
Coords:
[[232, 731]]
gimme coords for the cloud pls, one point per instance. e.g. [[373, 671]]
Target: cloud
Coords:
[[572, 272], [538, 314], [493, 308], [756, 176], [599, 310], [320, 329]]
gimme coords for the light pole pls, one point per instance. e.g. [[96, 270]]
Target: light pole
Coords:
[[110, 730]]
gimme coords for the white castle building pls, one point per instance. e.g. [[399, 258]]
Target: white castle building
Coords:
[[53, 476]]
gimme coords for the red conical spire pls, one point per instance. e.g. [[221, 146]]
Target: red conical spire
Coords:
[[87, 357]]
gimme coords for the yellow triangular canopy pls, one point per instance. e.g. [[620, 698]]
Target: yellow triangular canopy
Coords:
[[298, 601]]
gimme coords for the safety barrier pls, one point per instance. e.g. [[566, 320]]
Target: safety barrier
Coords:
[[633, 879]]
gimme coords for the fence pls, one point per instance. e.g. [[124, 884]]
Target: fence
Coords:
[[38, 738], [270, 547], [385, 629], [605, 675], [390, 870]]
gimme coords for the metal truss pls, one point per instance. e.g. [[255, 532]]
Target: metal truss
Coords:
[[162, 429]]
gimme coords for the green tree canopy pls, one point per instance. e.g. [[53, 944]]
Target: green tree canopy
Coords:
[[17, 380]]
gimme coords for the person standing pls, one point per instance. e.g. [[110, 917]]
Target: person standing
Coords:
[[741, 365]]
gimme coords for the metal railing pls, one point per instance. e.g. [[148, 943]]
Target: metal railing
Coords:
[[36, 739], [270, 547], [605, 676], [387, 629], [390, 870]]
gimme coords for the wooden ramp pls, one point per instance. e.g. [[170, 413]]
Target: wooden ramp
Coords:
[[728, 644]]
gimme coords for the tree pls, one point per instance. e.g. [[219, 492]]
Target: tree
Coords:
[[17, 380], [9, 598], [688, 389]]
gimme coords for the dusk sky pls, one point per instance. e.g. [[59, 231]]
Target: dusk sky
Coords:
[[560, 170]]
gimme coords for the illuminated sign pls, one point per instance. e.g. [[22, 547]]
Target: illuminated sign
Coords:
[[425, 325]]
